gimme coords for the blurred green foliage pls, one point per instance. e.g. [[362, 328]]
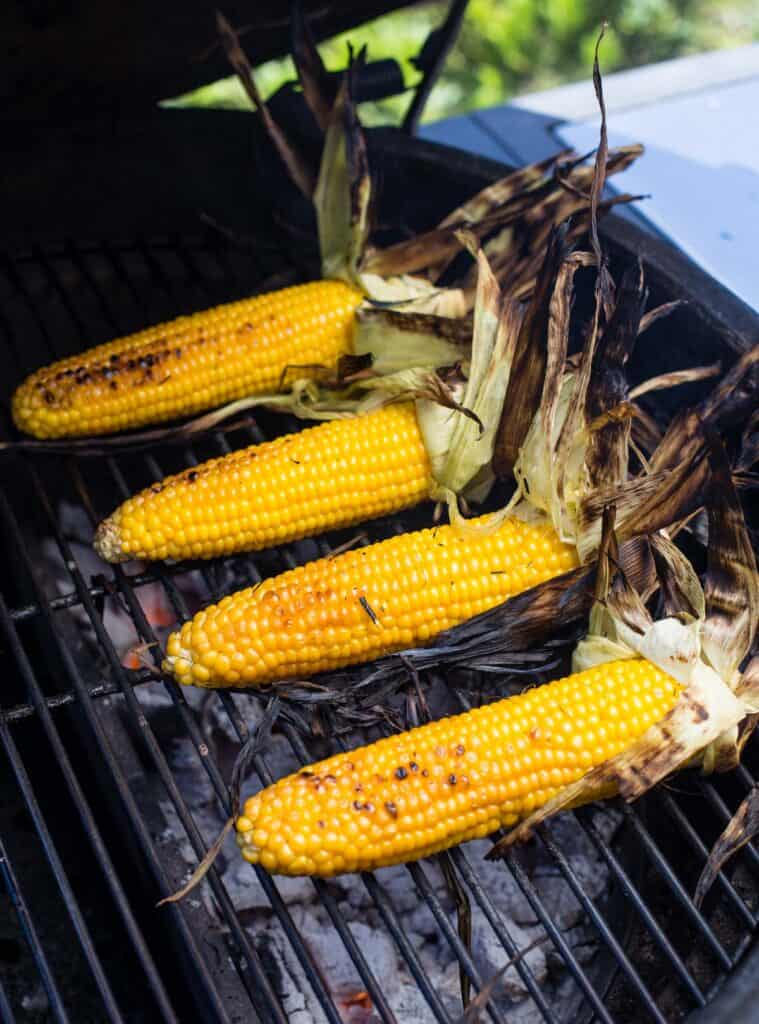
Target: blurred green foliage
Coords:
[[507, 47]]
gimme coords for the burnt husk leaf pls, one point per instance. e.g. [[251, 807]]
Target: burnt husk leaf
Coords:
[[529, 365], [298, 168], [607, 456], [658, 313], [741, 829], [726, 406], [604, 283], [318, 88], [731, 586], [458, 331]]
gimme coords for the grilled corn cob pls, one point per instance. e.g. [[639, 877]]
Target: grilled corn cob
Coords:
[[335, 474], [456, 779], [363, 603], [191, 363]]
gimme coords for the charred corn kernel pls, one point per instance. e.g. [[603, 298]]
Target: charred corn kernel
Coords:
[[189, 364], [459, 778], [363, 603], [332, 475]]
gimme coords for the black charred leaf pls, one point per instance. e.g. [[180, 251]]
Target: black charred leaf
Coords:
[[731, 586], [529, 364], [319, 88], [300, 173], [458, 331], [258, 740], [741, 829], [727, 405], [607, 455]]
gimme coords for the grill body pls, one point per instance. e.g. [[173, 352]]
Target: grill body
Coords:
[[89, 786]]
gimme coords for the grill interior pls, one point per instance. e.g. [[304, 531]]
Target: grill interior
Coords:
[[89, 779]]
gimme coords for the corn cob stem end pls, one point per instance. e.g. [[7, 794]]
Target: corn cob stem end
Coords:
[[107, 542]]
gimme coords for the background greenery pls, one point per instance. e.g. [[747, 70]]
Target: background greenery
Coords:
[[507, 47]]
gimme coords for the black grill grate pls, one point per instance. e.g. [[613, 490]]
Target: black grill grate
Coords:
[[658, 957]]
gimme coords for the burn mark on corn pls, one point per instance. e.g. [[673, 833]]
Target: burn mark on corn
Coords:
[[368, 609], [459, 750], [400, 772], [192, 476], [413, 766], [451, 780], [391, 809]]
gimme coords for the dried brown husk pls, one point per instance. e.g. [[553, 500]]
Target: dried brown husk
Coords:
[[297, 166], [728, 405], [731, 586], [523, 394], [318, 88]]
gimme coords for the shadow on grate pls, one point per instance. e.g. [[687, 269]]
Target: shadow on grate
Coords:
[[117, 778]]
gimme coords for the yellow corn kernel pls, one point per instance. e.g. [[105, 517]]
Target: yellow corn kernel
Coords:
[[456, 779], [363, 603], [335, 474], [190, 364]]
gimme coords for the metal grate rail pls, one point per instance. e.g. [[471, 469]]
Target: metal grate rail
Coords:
[[659, 956]]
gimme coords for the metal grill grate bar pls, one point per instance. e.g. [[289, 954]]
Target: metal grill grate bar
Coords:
[[609, 939], [645, 914], [575, 969], [699, 847], [6, 1014], [85, 814], [498, 925], [32, 938], [676, 887], [64, 886], [716, 801]]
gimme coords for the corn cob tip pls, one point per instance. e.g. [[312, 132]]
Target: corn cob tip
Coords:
[[179, 663], [107, 542], [245, 828]]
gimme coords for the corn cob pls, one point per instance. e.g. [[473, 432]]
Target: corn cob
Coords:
[[335, 474], [363, 603], [455, 779], [191, 363]]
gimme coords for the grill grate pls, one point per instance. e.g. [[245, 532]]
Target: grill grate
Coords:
[[658, 956]]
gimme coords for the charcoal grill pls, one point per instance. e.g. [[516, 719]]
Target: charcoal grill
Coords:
[[88, 780]]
